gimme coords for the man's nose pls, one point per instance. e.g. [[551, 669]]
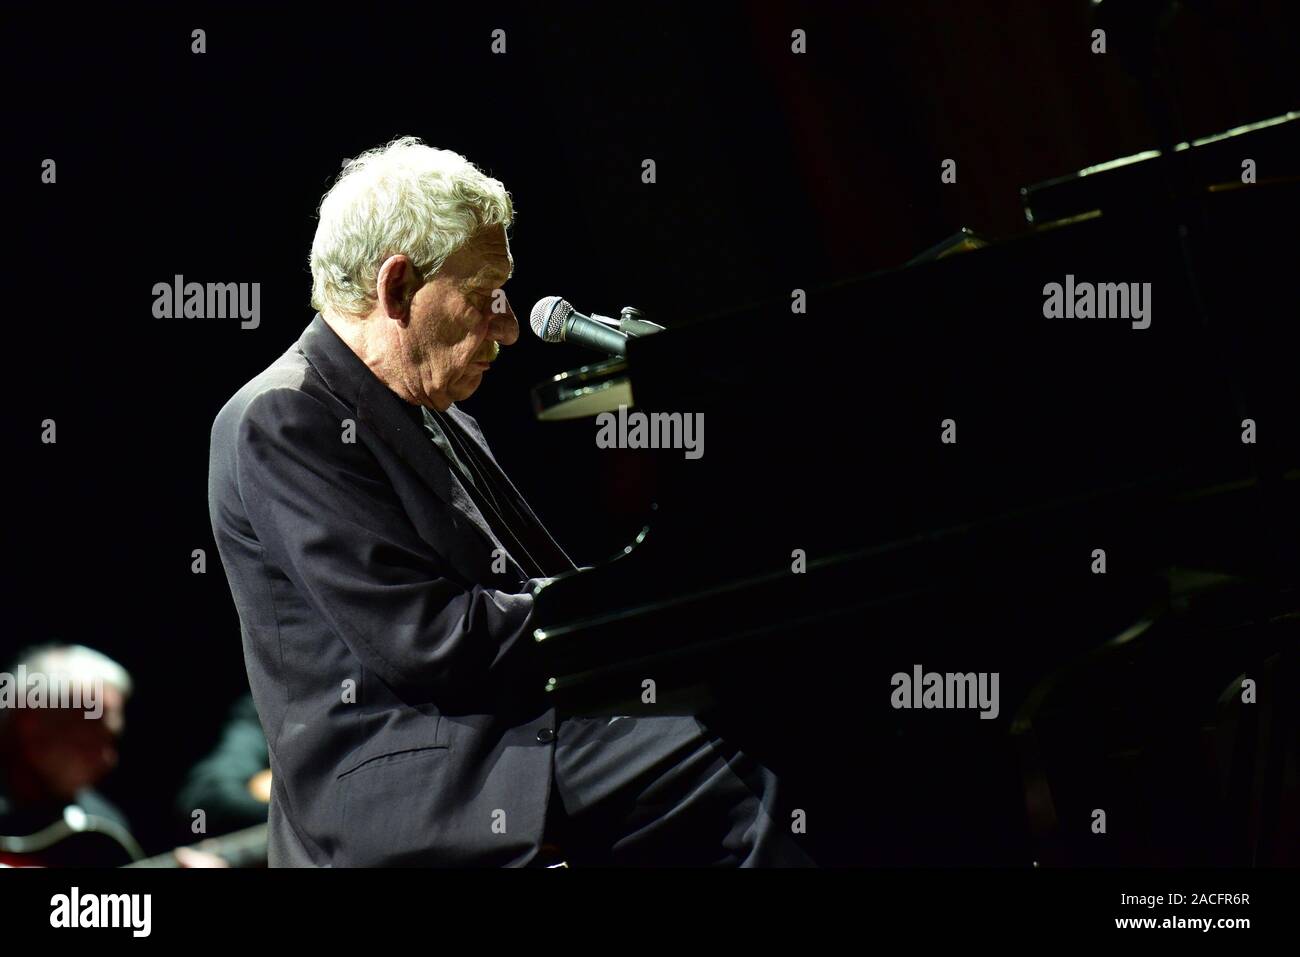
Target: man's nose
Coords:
[[505, 326]]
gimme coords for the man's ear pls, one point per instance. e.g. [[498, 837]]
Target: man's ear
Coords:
[[395, 287]]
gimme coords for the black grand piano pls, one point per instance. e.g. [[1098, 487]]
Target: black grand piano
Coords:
[[926, 471]]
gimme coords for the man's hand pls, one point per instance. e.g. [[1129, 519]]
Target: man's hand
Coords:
[[189, 857], [259, 785]]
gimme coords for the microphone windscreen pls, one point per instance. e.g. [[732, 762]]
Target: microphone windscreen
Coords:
[[548, 317]]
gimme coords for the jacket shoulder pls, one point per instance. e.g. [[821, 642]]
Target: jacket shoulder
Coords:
[[287, 402], [289, 386]]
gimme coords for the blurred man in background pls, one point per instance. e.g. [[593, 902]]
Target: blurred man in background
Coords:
[[62, 711]]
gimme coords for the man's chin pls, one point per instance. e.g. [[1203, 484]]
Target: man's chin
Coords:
[[466, 387]]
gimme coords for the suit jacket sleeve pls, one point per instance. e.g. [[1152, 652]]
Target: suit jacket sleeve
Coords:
[[329, 519]]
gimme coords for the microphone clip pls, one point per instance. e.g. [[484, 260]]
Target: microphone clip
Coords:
[[633, 323]]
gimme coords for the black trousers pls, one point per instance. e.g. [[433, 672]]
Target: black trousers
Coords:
[[664, 791]]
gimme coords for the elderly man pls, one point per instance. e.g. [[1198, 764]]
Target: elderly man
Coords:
[[62, 712], [381, 564]]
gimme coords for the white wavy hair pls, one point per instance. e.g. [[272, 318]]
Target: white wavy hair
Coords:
[[405, 198]]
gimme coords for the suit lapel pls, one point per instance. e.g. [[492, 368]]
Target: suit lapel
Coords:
[[380, 409], [471, 429]]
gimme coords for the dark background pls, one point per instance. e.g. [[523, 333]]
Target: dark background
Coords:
[[775, 171]]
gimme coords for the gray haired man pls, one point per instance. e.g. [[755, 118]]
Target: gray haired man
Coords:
[[380, 561]]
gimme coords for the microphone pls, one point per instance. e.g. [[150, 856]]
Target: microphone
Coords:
[[554, 320]]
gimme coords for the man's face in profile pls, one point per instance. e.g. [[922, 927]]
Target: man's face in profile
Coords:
[[461, 317]]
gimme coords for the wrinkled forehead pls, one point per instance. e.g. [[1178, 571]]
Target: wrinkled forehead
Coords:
[[485, 260]]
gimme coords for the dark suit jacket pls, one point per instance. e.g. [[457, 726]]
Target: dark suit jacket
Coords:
[[390, 664]]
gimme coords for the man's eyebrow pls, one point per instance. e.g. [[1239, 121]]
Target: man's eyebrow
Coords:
[[485, 273]]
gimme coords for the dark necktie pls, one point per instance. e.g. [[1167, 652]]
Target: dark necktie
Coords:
[[516, 529]]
